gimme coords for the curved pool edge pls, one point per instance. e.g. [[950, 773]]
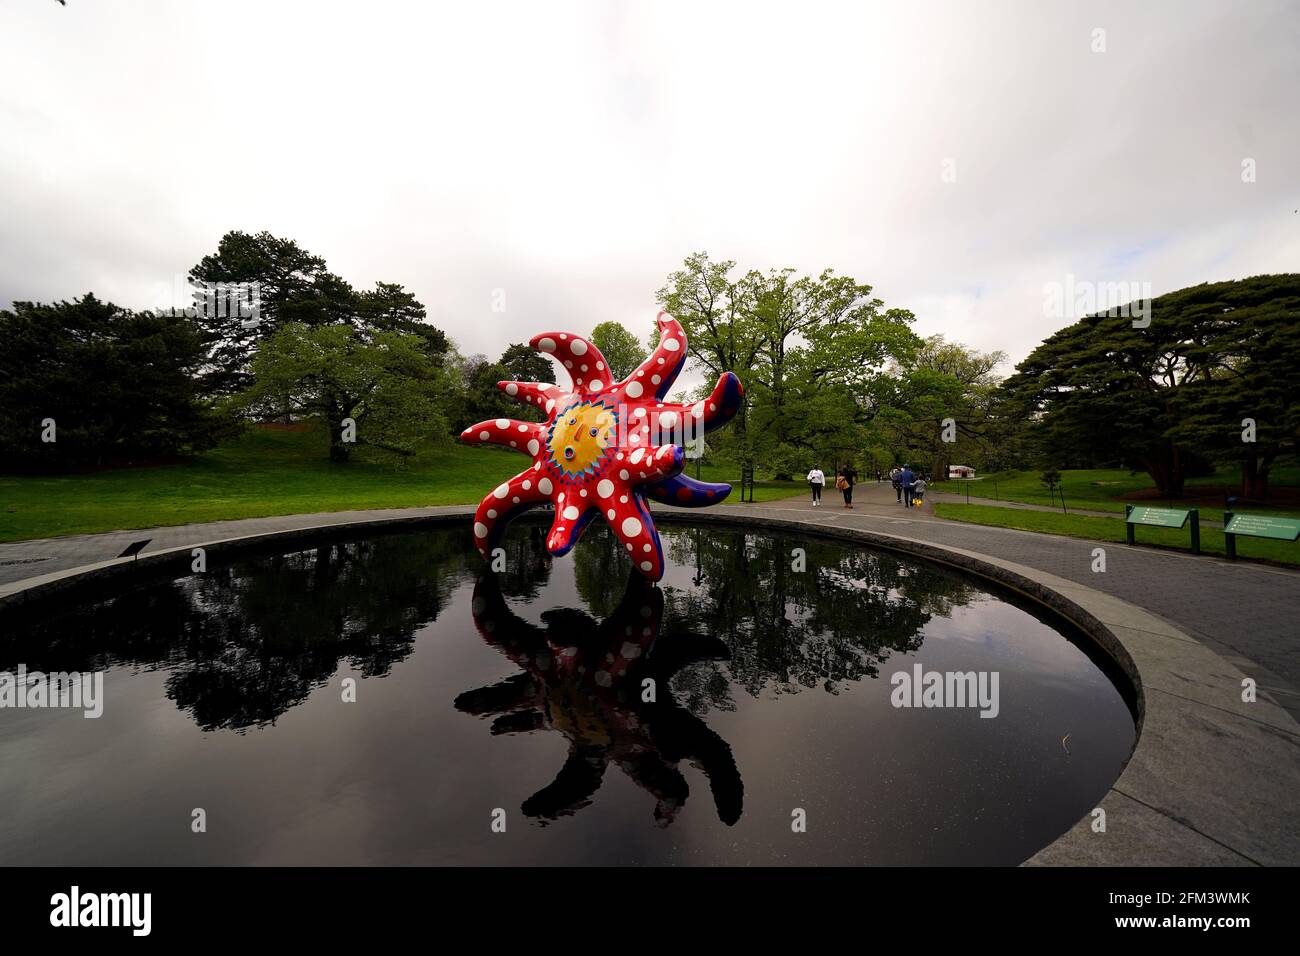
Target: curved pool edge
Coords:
[[1211, 779]]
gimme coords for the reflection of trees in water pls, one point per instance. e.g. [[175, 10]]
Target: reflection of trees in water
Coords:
[[833, 622], [247, 641]]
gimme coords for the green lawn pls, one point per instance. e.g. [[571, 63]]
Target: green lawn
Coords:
[[1098, 528], [1096, 489], [266, 472]]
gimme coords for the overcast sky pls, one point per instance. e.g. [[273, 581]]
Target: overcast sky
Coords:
[[572, 154]]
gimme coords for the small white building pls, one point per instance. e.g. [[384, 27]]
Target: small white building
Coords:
[[961, 471]]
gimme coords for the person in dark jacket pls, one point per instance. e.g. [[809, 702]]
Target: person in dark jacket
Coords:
[[906, 479], [847, 479]]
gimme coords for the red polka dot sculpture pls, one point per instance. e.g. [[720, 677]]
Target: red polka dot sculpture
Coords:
[[605, 447]]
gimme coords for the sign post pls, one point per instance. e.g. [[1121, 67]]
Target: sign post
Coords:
[[1257, 526], [1135, 515]]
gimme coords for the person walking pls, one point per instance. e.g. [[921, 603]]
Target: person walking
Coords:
[[847, 479], [906, 478], [816, 479], [918, 490], [897, 483]]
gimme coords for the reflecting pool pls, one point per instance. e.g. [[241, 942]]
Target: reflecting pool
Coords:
[[388, 700]]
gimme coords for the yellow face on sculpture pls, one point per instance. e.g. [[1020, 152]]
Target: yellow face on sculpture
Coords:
[[582, 434]]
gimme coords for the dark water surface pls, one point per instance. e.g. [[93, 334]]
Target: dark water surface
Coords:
[[523, 692]]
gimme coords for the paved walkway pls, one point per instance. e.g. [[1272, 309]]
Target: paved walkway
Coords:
[[1247, 613]]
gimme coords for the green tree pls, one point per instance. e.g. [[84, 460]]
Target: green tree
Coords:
[[814, 353], [384, 382], [1245, 408], [952, 414], [118, 385], [620, 347], [522, 364], [1162, 397], [293, 285]]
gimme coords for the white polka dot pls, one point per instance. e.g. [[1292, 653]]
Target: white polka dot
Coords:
[[547, 344], [571, 513], [512, 389], [503, 423], [631, 527], [646, 565], [480, 529], [667, 419], [596, 385], [600, 365], [533, 446], [655, 379], [634, 389], [578, 347], [645, 547], [501, 491], [637, 455], [672, 345], [622, 499], [545, 486], [639, 413], [492, 513], [550, 403], [568, 363], [625, 475], [483, 436], [527, 484], [610, 514], [605, 488], [515, 499]]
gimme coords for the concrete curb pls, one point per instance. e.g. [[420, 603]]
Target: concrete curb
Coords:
[[1211, 781]]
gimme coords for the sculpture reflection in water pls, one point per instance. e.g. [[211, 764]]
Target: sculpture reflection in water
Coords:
[[604, 685]]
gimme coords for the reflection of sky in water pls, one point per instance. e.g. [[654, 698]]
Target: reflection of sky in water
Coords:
[[406, 775]]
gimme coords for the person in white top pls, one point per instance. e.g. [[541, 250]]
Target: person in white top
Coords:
[[817, 479]]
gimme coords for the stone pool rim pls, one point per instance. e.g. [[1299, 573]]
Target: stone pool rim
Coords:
[[1207, 782]]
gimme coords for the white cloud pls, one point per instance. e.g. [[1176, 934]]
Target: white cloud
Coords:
[[573, 153]]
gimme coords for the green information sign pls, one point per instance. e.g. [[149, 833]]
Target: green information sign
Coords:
[[1264, 526], [1160, 517]]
